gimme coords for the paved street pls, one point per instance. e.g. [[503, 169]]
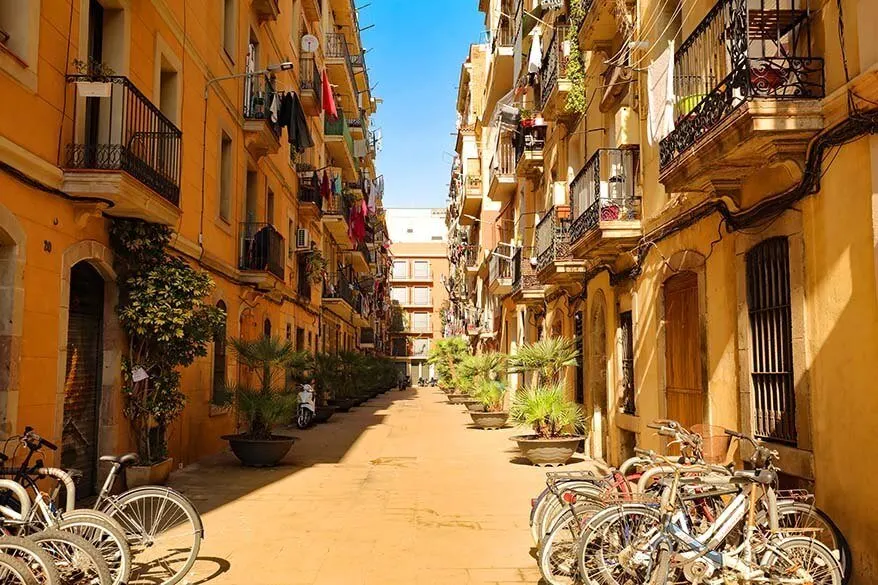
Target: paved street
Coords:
[[400, 490]]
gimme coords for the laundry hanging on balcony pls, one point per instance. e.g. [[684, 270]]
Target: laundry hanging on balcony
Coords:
[[660, 85], [360, 149], [328, 98], [535, 57], [325, 187], [357, 222], [292, 117]]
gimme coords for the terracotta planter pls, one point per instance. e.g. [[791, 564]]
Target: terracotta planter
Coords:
[[473, 405], [155, 474], [324, 413], [489, 420], [260, 453], [541, 451], [458, 398]]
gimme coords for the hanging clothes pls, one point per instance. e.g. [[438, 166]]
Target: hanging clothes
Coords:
[[535, 58], [359, 148], [325, 188], [274, 107], [328, 98], [292, 117], [660, 86], [337, 185], [357, 222], [370, 191]]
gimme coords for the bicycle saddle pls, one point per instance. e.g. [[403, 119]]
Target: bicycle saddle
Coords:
[[127, 459]]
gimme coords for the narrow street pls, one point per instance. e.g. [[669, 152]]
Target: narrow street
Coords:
[[400, 490]]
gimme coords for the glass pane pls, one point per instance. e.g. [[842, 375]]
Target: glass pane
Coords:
[[422, 268], [400, 269]]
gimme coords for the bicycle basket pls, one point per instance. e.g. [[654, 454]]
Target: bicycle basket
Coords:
[[715, 442]]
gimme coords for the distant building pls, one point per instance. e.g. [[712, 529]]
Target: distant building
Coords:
[[420, 266]]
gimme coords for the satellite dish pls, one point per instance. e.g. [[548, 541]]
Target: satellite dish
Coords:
[[310, 43]]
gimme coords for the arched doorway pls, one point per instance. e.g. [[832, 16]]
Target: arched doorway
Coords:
[[83, 379], [598, 377], [684, 390]]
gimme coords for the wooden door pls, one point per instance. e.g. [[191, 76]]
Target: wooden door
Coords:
[[683, 376]]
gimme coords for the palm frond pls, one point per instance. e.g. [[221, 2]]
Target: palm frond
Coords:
[[547, 410], [548, 357]]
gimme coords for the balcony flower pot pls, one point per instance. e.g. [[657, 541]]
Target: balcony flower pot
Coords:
[[155, 474], [259, 452], [550, 452], [489, 420], [98, 89], [324, 413], [458, 398], [474, 405]]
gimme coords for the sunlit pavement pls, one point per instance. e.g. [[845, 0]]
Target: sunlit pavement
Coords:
[[399, 490]]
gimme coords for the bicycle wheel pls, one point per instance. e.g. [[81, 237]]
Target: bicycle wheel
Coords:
[[816, 524], [557, 555], [803, 557], [556, 506], [15, 572], [614, 545], [38, 561], [110, 540], [164, 531], [78, 561]]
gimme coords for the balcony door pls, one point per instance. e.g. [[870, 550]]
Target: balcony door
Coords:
[[683, 376]]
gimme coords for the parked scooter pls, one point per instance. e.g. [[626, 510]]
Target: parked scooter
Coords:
[[421, 381], [434, 382], [307, 408]]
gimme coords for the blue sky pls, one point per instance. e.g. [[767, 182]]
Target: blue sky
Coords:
[[416, 49]]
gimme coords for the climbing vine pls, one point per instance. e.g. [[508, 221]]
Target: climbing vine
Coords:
[[577, 99]]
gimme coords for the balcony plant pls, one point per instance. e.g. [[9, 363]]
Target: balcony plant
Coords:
[[94, 78], [557, 422], [262, 398], [315, 267], [168, 325]]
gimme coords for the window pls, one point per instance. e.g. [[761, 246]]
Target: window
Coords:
[[291, 238], [169, 90], [269, 207], [225, 178], [421, 321], [400, 269], [399, 294], [219, 356], [626, 325], [420, 346], [303, 284], [300, 339], [771, 347], [228, 32], [421, 295], [421, 269], [266, 329], [398, 347]]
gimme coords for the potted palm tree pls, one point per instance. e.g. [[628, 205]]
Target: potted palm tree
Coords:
[[492, 395], [445, 356], [262, 399], [332, 380], [557, 422], [477, 369]]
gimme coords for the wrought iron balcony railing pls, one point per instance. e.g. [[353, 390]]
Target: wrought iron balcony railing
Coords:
[[336, 47], [309, 77], [500, 263], [258, 94], [127, 132], [336, 205], [554, 65], [604, 190], [504, 158], [553, 236], [742, 50], [503, 35], [262, 249], [471, 255], [529, 139], [309, 189], [337, 285]]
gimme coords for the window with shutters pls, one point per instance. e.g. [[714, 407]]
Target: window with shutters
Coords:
[[626, 325], [219, 356], [399, 294], [421, 295], [400, 269], [420, 321], [420, 347], [421, 268], [771, 346]]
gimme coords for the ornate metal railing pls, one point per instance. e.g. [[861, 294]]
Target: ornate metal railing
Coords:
[[604, 190], [337, 285], [473, 182], [554, 65], [529, 139], [262, 248], [503, 35], [471, 255], [309, 77], [258, 94], [336, 205], [742, 50], [336, 47], [504, 159], [127, 132], [553, 236], [309, 189], [500, 263]]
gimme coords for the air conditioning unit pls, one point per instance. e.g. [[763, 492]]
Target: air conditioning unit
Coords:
[[303, 239]]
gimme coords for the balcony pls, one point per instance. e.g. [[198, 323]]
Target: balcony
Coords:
[[748, 95], [125, 151], [338, 295], [601, 22], [310, 85], [500, 270], [555, 265], [554, 83], [311, 8], [470, 257], [606, 208], [310, 199], [358, 258], [266, 9], [420, 276], [340, 69], [335, 217], [261, 255], [261, 135], [367, 338], [529, 142], [472, 198], [500, 73], [358, 126], [503, 181], [526, 287], [340, 144]]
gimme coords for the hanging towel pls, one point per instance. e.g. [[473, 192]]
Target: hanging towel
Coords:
[[274, 107], [660, 85], [325, 189], [535, 59], [371, 194], [359, 148], [337, 186], [328, 99]]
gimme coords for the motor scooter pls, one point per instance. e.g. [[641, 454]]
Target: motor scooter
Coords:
[[307, 408]]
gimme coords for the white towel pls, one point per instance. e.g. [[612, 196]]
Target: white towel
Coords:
[[360, 148], [660, 84], [535, 58]]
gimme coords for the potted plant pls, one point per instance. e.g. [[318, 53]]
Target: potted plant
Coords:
[[556, 421], [92, 79], [445, 356], [492, 395], [262, 400], [167, 325], [475, 370], [315, 267], [330, 382]]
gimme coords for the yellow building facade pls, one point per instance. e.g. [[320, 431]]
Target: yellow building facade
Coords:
[[163, 111], [698, 210]]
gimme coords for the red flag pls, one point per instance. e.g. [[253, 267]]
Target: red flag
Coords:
[[328, 99]]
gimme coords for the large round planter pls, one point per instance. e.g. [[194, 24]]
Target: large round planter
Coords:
[[473, 405], [155, 474], [324, 413], [458, 398], [541, 451], [343, 405], [489, 420], [260, 453]]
